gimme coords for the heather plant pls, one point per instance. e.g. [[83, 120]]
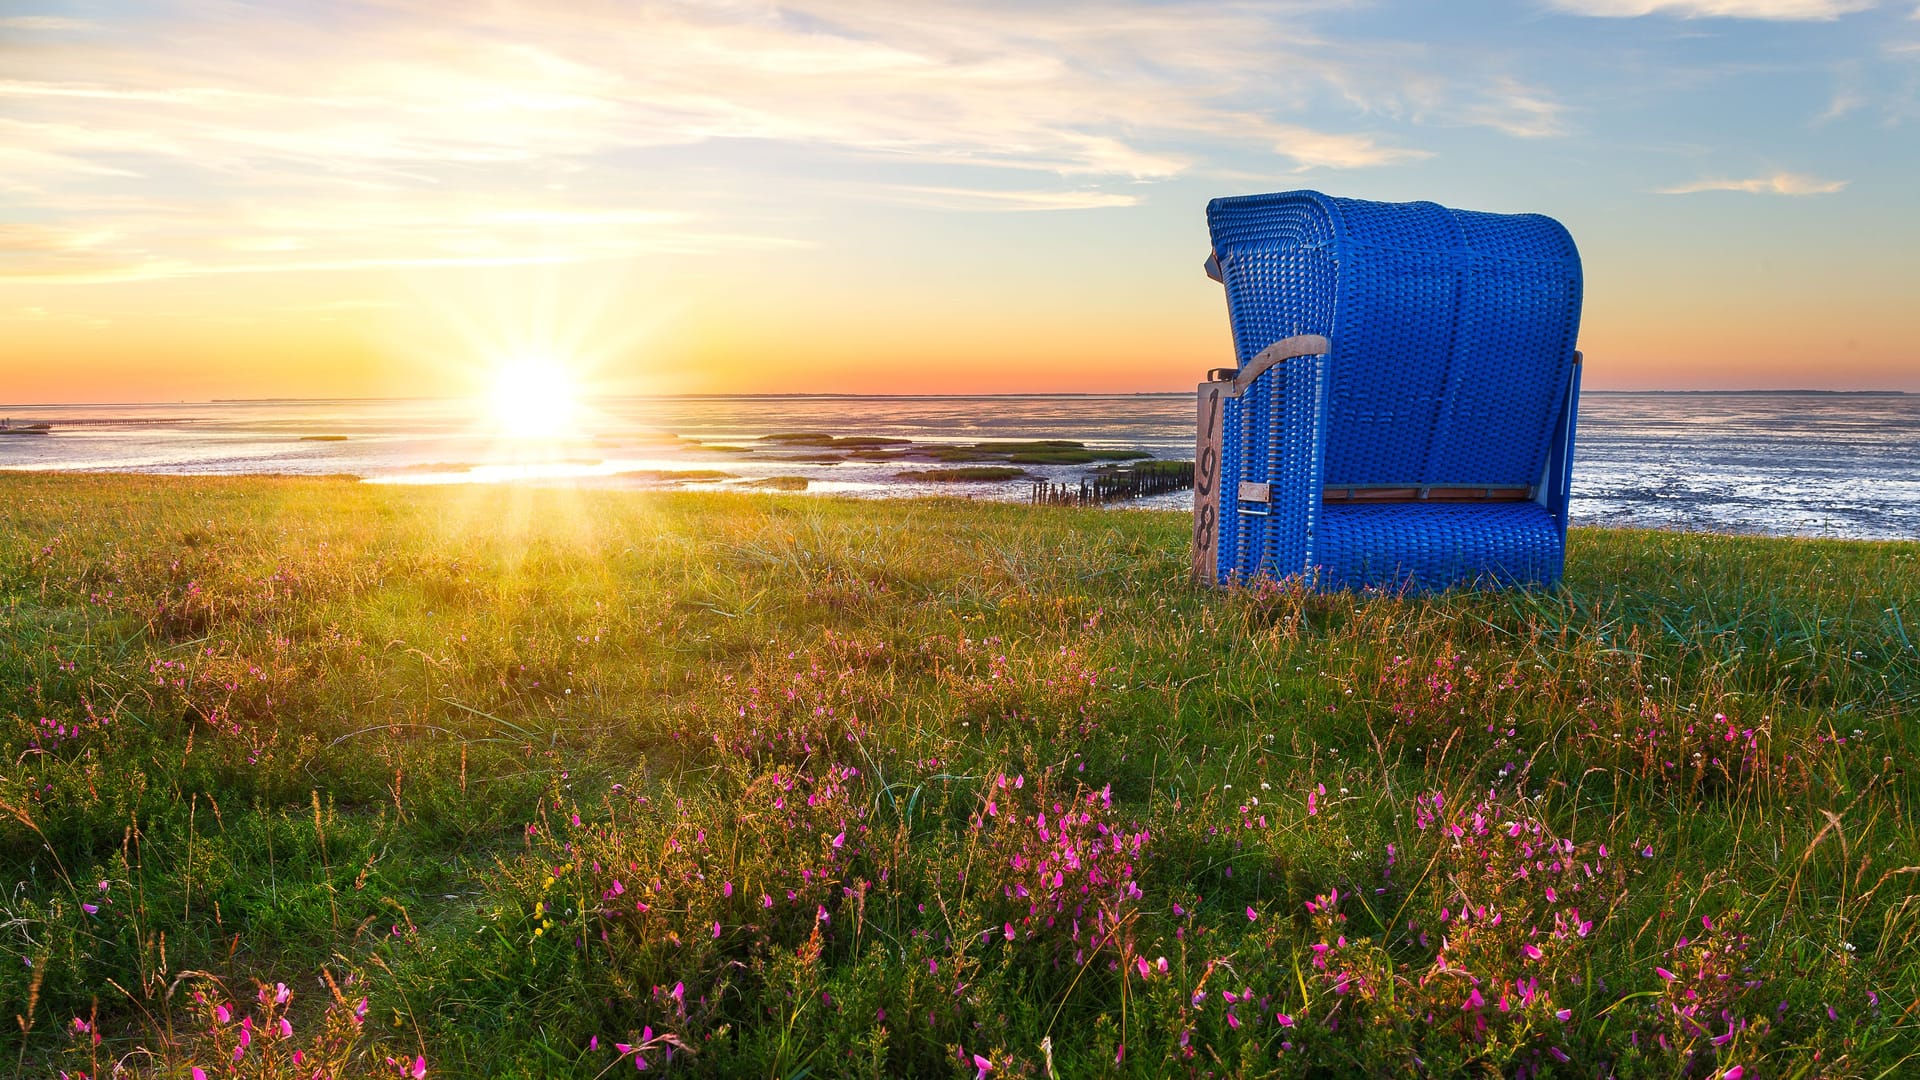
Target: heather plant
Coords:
[[589, 784]]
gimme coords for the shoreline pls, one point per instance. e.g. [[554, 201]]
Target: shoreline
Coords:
[[752, 488]]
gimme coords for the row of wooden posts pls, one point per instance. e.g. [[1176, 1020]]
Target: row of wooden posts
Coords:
[[1116, 486]]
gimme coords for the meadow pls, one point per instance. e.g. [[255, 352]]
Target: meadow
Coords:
[[315, 778]]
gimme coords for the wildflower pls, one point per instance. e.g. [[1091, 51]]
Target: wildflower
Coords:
[[1283, 1019], [1252, 915], [1734, 1073], [199, 1073], [1533, 951], [222, 1015], [840, 839], [91, 909], [286, 1029], [419, 1067], [982, 1067], [1564, 1014], [281, 993]]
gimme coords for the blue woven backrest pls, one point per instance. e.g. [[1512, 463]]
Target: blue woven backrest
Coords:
[[1452, 331]]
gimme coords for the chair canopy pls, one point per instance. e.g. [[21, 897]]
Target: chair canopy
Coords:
[[1452, 331]]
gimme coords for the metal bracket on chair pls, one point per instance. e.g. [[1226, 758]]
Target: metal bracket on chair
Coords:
[[1255, 491]]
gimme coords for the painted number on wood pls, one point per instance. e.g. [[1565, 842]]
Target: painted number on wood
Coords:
[[1206, 483]]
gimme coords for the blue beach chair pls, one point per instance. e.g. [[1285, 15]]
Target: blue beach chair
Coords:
[[1402, 412]]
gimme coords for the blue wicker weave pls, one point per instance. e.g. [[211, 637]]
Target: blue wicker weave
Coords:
[[1451, 371]]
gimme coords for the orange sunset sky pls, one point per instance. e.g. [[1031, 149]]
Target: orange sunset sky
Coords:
[[394, 197]]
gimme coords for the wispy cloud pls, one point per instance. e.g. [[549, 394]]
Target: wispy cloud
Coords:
[[1520, 110], [950, 198], [1781, 183], [1778, 10], [384, 126], [42, 23]]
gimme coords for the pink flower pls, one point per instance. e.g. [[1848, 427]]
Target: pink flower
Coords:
[[1474, 1000], [1564, 1014], [716, 930], [726, 888], [1252, 914], [593, 1043], [982, 1067], [199, 1073], [281, 993], [91, 909], [1009, 931], [419, 1067], [1533, 951], [1283, 1019], [1734, 1073], [840, 839], [286, 1029], [1664, 973]]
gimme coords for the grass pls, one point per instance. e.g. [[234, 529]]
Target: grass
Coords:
[[777, 483], [501, 781]]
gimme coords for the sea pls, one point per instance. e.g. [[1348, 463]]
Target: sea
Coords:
[[1776, 463]]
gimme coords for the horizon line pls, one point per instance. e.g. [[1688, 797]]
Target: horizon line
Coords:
[[1779, 391]]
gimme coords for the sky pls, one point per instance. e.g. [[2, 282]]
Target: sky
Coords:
[[220, 199]]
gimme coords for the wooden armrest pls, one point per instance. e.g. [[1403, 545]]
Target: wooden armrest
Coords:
[[1285, 349]]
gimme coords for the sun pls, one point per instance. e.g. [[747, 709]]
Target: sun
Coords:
[[535, 397]]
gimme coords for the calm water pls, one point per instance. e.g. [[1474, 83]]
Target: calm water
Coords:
[[1793, 464]]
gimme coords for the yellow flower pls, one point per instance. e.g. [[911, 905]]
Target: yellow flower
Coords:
[[539, 908]]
